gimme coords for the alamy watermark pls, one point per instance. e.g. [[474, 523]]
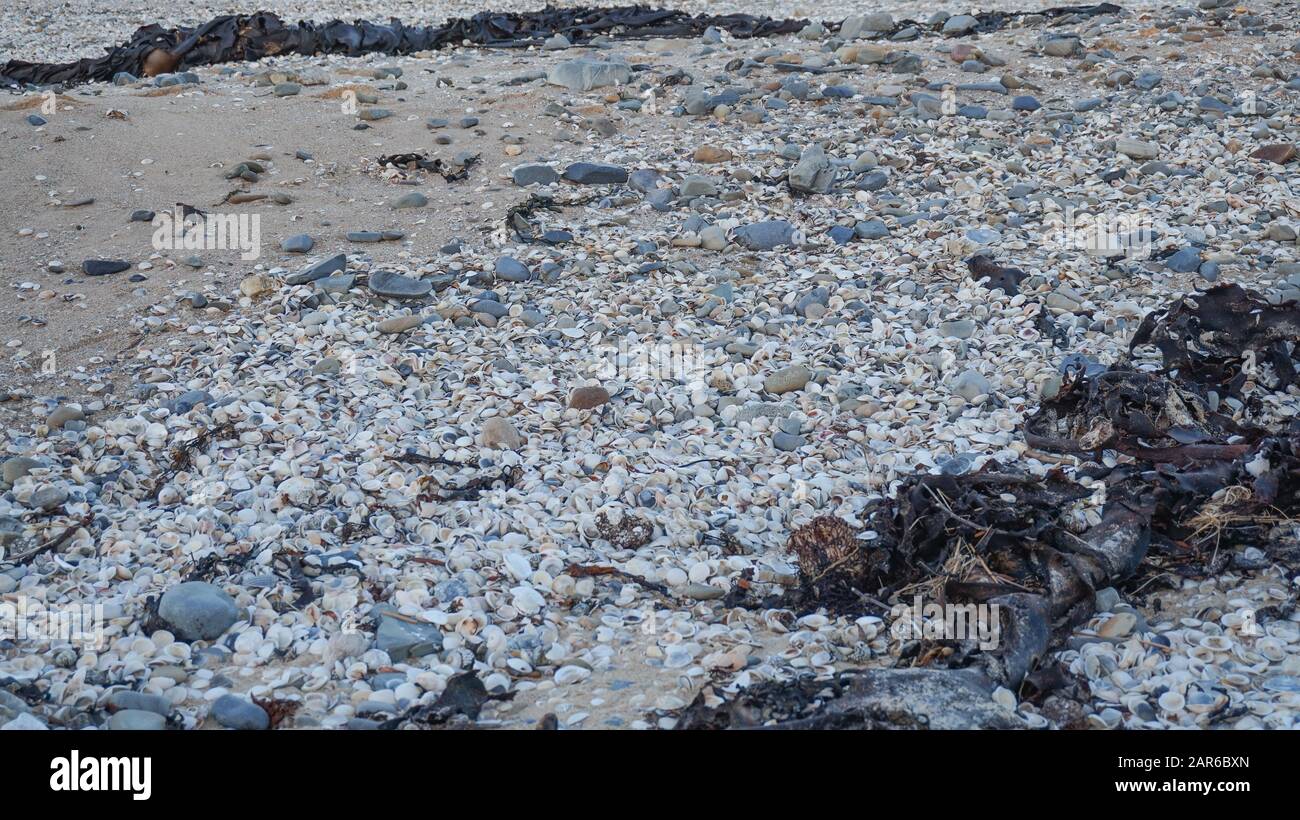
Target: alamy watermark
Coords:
[[947, 622], [75, 773], [28, 620], [1131, 235], [209, 231], [662, 361]]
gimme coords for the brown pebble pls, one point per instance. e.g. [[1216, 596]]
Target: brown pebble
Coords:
[[585, 398], [1281, 153], [712, 153]]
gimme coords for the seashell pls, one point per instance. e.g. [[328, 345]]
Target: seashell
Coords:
[[1271, 648], [1172, 701], [1216, 643], [1201, 703]]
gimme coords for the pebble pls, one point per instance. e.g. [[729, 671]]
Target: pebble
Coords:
[[499, 434], [234, 712], [412, 199], [197, 611], [104, 267], [393, 285], [595, 173], [787, 379], [298, 243], [588, 398]]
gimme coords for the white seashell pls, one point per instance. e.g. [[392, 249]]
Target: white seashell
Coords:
[[566, 675], [1172, 702]]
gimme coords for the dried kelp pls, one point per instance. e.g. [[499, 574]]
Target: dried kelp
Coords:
[[995, 276], [1216, 340], [459, 704], [1183, 472], [449, 171], [877, 699], [155, 50]]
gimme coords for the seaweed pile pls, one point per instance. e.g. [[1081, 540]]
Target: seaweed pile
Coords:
[[155, 50], [1179, 458]]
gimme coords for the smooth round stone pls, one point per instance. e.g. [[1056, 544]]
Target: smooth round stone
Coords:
[[62, 415], [787, 442], [704, 592], [188, 400], [140, 701], [595, 173], [787, 379], [17, 467], [396, 286], [104, 267], [234, 712], [511, 269], [1184, 261], [412, 199], [198, 611], [48, 498], [970, 385], [959, 329], [499, 434], [299, 243], [136, 720], [399, 324], [587, 398]]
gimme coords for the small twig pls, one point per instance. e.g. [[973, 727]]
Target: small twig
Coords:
[[54, 543]]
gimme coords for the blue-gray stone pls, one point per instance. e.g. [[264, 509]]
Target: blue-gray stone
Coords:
[[197, 611], [396, 286], [871, 229], [1148, 80], [136, 720], [234, 712], [786, 442], [1025, 103], [335, 264], [595, 173], [1185, 261], [403, 639], [644, 180], [585, 73], [535, 173], [103, 267], [126, 699], [490, 307], [959, 24], [983, 236], [298, 243], [511, 270], [764, 236], [414, 199], [188, 400], [840, 234], [873, 181]]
